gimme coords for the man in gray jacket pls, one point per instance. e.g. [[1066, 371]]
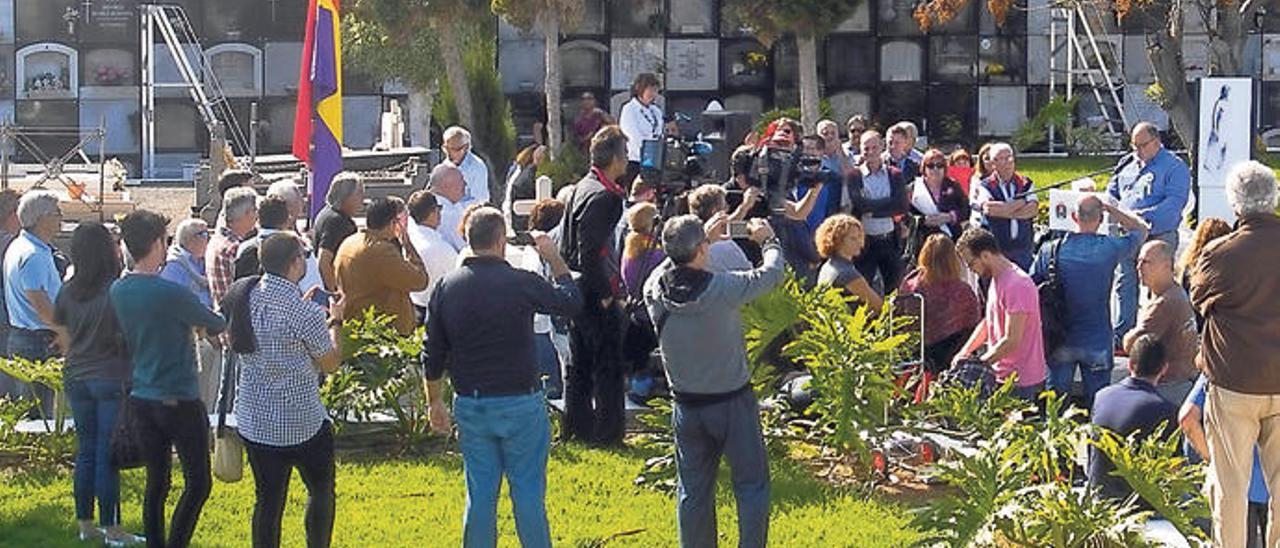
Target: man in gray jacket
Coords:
[[701, 337]]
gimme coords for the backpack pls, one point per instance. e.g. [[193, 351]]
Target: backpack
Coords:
[[1053, 303]]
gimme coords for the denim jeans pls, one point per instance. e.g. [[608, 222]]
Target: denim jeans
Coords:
[[548, 364], [163, 426], [272, 466], [504, 436], [1095, 371], [95, 403], [703, 433], [1126, 287], [34, 346]]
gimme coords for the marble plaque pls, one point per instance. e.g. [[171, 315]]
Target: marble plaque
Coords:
[[692, 17], [632, 56], [1271, 57], [47, 20], [900, 61], [122, 124], [178, 126], [582, 63], [522, 65], [745, 102], [238, 68], [845, 104], [693, 65], [1001, 109], [282, 61], [109, 21]]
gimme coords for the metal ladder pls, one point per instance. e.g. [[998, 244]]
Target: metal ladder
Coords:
[[169, 24], [1072, 24]]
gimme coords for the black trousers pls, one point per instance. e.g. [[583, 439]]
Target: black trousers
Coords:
[[595, 408], [882, 255], [272, 466], [938, 356], [162, 426]]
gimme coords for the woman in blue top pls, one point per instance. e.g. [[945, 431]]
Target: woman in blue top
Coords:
[[95, 376]]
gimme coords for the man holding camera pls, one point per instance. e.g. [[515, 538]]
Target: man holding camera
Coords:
[[594, 405], [696, 315]]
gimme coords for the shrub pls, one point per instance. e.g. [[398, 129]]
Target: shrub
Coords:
[[495, 132]]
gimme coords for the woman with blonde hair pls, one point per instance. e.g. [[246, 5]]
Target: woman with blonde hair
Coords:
[[1209, 230], [840, 240], [950, 306], [641, 254], [641, 251]]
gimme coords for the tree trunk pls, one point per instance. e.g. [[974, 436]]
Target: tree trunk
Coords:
[[421, 102], [551, 82], [807, 47], [1164, 50], [456, 72]]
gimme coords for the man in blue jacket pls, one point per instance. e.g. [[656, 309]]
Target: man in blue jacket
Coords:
[[1154, 184]]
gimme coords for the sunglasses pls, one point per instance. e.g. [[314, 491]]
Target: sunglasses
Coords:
[[203, 234], [936, 166]]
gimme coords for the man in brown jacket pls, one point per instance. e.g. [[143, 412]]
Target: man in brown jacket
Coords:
[[378, 267], [1236, 287], [1167, 316]]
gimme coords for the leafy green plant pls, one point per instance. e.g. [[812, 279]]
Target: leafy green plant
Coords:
[[1058, 113], [985, 484], [852, 357], [1050, 443], [46, 373], [380, 373], [567, 168], [1158, 474], [963, 410], [1054, 514], [56, 445]]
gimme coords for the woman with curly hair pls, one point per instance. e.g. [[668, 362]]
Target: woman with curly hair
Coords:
[[1209, 230], [840, 241]]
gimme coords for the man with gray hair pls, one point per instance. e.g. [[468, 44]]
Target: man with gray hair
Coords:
[[287, 190], [336, 221], [1005, 204], [459, 153], [1237, 290], [1085, 262], [239, 218], [31, 284], [447, 184], [696, 315]]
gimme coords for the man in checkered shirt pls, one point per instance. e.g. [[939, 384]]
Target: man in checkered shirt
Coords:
[[238, 219], [282, 343]]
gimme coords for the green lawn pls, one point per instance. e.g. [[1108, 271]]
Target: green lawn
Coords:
[[419, 503]]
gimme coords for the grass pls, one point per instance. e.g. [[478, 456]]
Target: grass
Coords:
[[591, 502]]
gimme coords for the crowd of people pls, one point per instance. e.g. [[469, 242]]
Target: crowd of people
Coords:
[[161, 328]]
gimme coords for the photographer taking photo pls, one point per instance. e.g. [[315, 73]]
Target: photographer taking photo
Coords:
[[696, 315]]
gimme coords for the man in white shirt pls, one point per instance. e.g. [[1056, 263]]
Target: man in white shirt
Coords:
[[447, 185], [475, 174], [438, 256]]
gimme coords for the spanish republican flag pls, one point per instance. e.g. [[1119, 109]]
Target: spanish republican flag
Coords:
[[317, 129]]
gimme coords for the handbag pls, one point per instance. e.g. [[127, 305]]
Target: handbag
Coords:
[[127, 448], [228, 448]]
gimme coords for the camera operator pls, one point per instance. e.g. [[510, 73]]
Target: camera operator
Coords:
[[878, 193], [715, 413], [779, 170], [814, 171]]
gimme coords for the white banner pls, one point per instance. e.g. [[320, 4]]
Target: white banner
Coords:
[[1225, 139], [1063, 203]]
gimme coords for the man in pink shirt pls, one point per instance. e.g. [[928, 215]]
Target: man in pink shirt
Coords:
[[1010, 328]]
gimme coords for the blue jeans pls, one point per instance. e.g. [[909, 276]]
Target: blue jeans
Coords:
[[703, 433], [548, 364], [1126, 287], [504, 436], [35, 346], [95, 403], [1095, 371]]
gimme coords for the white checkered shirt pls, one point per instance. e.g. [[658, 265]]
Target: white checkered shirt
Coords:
[[278, 398]]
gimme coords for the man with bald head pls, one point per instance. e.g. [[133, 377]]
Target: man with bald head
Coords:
[[1167, 316], [1085, 263], [1154, 184], [449, 187]]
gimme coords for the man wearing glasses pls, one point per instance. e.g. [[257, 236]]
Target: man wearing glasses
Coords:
[[1154, 184], [457, 145]]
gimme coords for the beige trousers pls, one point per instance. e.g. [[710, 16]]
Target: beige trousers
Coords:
[[1234, 423]]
